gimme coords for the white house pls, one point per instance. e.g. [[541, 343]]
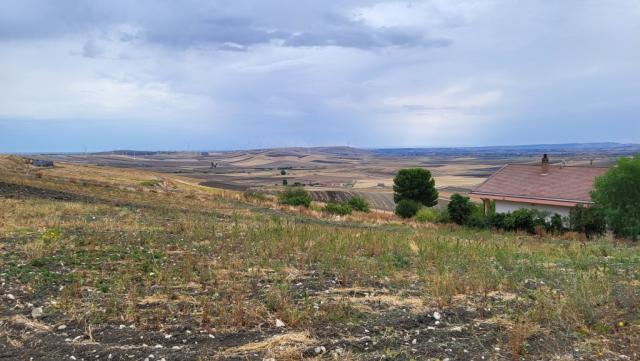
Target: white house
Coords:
[[550, 188]]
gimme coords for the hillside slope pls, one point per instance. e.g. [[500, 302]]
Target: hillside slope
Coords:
[[106, 263]]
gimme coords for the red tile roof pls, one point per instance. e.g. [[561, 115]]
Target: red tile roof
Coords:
[[560, 186]]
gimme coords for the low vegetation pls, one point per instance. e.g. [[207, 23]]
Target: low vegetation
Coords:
[[295, 196], [96, 268], [407, 208], [342, 209], [359, 204]]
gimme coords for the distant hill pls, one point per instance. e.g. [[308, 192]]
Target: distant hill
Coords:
[[517, 150]]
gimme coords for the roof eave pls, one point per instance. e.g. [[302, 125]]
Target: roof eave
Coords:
[[530, 200]]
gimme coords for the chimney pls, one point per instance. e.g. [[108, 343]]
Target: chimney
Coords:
[[545, 165]]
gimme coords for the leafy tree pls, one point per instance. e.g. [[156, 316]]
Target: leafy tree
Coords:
[[590, 221], [617, 194], [415, 184], [359, 204], [407, 208], [295, 196], [460, 208]]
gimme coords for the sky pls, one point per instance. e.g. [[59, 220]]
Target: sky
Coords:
[[81, 75]]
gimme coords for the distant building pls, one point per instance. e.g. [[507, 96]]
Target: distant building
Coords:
[[545, 187], [41, 163]]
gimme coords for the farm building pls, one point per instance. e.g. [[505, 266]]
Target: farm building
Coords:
[[545, 187]]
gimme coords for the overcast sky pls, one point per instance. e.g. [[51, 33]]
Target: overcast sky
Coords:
[[236, 74]]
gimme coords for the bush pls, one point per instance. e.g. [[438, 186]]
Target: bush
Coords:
[[342, 209], [617, 194], [477, 218], [522, 220], [590, 221], [407, 208], [556, 225], [295, 196], [359, 204], [426, 215], [415, 184], [443, 216], [497, 221], [460, 208]]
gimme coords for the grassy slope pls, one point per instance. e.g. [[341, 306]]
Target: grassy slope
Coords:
[[98, 248]]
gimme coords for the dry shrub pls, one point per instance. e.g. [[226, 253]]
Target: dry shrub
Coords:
[[444, 286], [517, 336], [575, 236]]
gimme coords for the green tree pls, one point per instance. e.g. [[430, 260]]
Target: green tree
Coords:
[[359, 204], [617, 193], [407, 208], [460, 208], [415, 184]]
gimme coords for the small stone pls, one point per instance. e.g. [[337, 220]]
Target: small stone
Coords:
[[10, 296], [279, 323], [72, 357], [414, 341], [62, 327], [36, 312], [437, 315]]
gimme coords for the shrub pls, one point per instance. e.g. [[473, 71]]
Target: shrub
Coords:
[[338, 208], [523, 220], [617, 193], [497, 221], [415, 184], [426, 215], [460, 208], [477, 218], [150, 183], [556, 225], [407, 208], [590, 221], [443, 215], [295, 196], [359, 204]]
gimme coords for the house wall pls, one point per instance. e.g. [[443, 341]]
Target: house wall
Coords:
[[506, 207]]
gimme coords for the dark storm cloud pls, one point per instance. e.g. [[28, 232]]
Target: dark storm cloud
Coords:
[[191, 23], [363, 38]]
